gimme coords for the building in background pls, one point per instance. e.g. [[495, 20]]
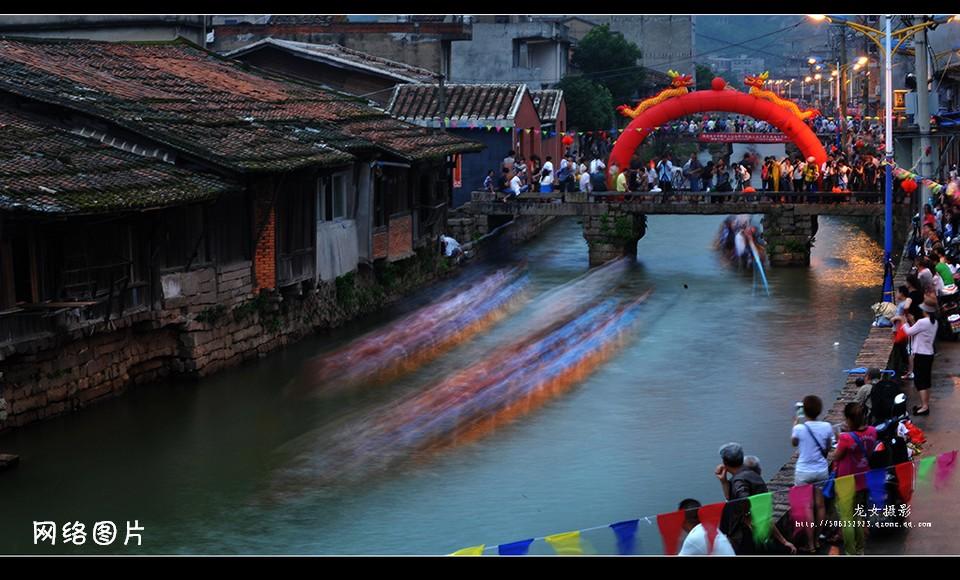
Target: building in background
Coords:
[[501, 116], [334, 66], [512, 49], [420, 42], [109, 27]]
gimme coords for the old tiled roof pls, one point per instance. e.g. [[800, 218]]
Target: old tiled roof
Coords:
[[46, 169], [197, 102], [547, 103], [340, 56], [475, 102]]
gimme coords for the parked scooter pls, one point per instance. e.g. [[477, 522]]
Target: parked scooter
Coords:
[[892, 448]]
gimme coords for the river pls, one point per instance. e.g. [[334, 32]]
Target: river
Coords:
[[709, 361]]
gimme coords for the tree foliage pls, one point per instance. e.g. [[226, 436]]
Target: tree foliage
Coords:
[[589, 105], [610, 60], [704, 77]]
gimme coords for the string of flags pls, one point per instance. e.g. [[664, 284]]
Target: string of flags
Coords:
[[935, 471]]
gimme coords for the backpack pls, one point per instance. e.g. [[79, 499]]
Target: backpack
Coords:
[[662, 171], [882, 396]]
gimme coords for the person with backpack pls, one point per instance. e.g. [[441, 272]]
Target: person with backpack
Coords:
[[814, 439], [854, 447]]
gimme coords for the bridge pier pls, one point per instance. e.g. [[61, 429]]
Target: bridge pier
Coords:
[[789, 231], [613, 234]]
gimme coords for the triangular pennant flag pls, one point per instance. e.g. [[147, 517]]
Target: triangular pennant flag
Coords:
[[924, 469], [565, 544], [946, 463], [515, 548], [545, 132], [846, 487], [471, 551], [553, 133], [579, 132], [876, 484], [626, 536], [671, 525], [489, 127], [801, 502], [761, 515], [709, 516]]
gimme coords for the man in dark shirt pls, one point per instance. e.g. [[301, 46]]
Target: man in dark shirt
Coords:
[[735, 521]]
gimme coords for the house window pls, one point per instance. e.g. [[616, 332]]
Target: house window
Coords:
[[181, 238], [230, 229], [296, 235], [521, 54], [332, 191]]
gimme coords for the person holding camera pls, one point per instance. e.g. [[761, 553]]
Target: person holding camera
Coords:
[[814, 439]]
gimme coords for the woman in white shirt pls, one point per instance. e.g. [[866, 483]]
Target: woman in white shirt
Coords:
[[814, 440], [922, 335]]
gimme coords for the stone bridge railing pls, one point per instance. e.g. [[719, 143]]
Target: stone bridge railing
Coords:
[[615, 222]]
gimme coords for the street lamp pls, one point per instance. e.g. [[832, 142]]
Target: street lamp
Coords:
[[818, 76], [888, 50]]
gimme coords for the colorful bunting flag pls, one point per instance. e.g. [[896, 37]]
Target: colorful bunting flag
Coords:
[[566, 544], [876, 484], [709, 516], [801, 503], [905, 472], [846, 488], [471, 551], [946, 463], [515, 548], [761, 515], [489, 127], [626, 536], [923, 470], [671, 526]]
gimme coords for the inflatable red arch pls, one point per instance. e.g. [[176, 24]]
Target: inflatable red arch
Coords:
[[724, 100]]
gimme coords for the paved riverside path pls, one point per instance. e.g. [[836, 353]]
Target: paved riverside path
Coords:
[[941, 508]]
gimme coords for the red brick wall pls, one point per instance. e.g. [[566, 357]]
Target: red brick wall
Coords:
[[265, 252], [526, 118], [401, 236], [380, 243]]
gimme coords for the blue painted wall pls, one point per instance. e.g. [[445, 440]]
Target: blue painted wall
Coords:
[[476, 165]]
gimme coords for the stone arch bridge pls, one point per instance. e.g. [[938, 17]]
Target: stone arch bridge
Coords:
[[614, 223]]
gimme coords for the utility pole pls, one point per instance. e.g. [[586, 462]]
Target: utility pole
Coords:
[[843, 86], [923, 113], [866, 79]]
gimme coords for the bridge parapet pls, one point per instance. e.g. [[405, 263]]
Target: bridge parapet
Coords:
[[615, 222]]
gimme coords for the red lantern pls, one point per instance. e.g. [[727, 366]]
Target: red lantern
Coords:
[[567, 140], [909, 185], [718, 83]]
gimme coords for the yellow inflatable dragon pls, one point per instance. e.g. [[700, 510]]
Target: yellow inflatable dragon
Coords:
[[678, 86], [756, 89]]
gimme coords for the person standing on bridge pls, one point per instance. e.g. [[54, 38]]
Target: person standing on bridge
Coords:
[[665, 174], [692, 170], [811, 173]]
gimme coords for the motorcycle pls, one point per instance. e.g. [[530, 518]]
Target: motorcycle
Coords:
[[897, 439]]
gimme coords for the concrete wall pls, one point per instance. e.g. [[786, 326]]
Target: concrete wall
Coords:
[[488, 58], [664, 40]]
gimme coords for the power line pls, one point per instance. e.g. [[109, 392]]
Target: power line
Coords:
[[613, 73]]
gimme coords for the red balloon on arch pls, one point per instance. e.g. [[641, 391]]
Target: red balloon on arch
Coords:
[[715, 100]]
